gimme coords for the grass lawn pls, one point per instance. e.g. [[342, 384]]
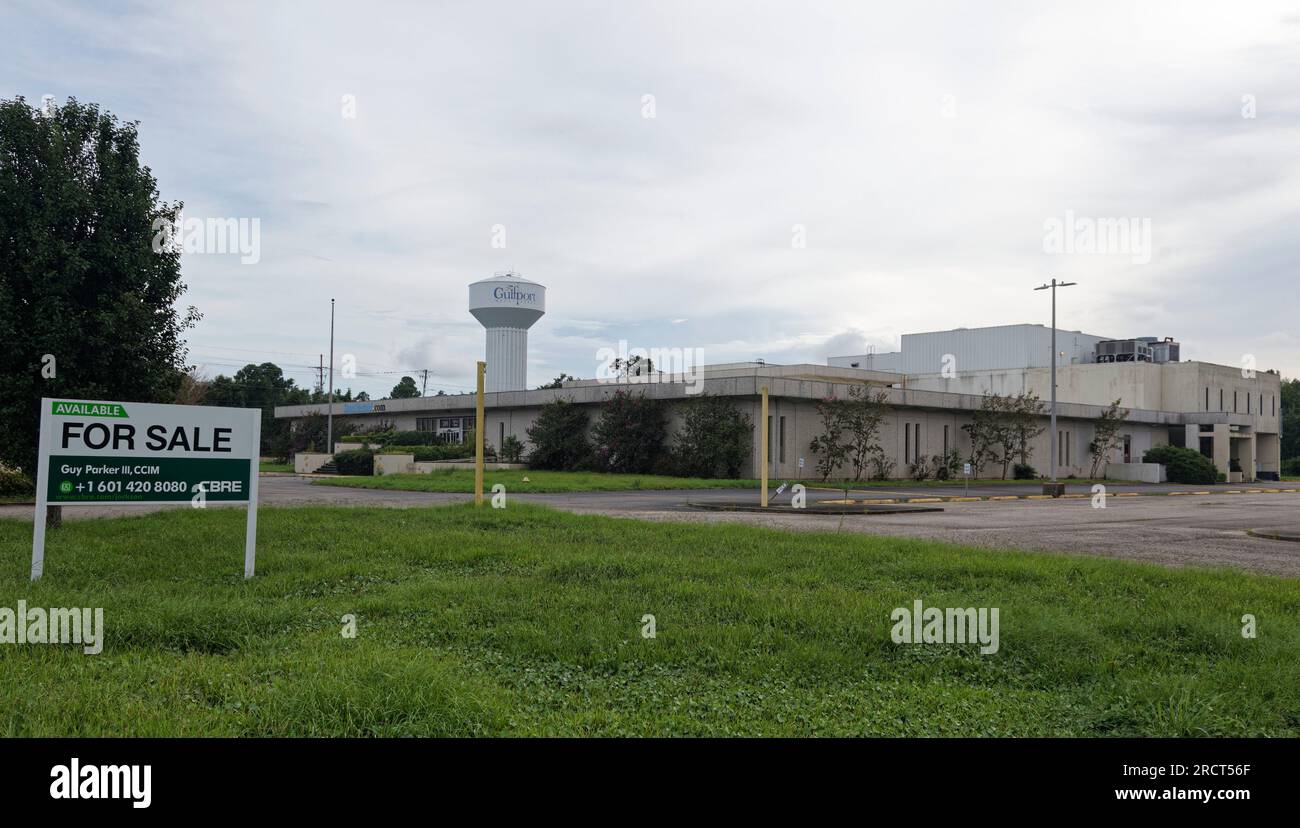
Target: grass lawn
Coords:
[[274, 467], [462, 480], [527, 621]]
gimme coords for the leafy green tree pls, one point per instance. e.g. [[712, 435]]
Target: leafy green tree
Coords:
[[630, 433], [405, 390], [1106, 437], [829, 447], [558, 382], [87, 307], [1290, 412], [985, 433], [714, 440], [559, 437], [1025, 422], [863, 413], [263, 387]]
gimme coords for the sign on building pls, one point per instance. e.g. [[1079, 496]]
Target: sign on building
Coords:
[[96, 453]]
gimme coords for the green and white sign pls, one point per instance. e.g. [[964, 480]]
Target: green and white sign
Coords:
[[96, 453]]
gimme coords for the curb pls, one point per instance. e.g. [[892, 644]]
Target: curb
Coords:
[[1072, 496]]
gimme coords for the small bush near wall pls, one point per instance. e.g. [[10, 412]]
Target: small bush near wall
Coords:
[[1024, 471], [559, 438], [424, 454], [715, 438], [511, 449], [630, 433], [410, 438], [1183, 465], [360, 462]]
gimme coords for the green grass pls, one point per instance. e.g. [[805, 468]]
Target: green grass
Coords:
[[462, 480], [526, 621], [274, 467]]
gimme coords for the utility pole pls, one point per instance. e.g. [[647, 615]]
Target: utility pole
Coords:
[[424, 386], [329, 420], [1055, 438], [320, 375]]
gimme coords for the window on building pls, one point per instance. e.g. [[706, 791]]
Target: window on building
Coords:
[[918, 442], [907, 442], [1221, 399], [424, 424], [780, 444], [1207, 398], [1234, 402], [945, 441], [501, 436], [1247, 403]]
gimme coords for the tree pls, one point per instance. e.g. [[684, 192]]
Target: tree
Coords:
[[405, 389], [715, 438], [263, 387], [1106, 437], [630, 433], [1024, 414], [828, 447], [558, 382], [87, 307], [1290, 413], [862, 415], [984, 433], [559, 437]]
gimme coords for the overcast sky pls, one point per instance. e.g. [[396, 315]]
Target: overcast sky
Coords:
[[817, 178]]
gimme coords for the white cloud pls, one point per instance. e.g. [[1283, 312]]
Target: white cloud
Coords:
[[921, 148]]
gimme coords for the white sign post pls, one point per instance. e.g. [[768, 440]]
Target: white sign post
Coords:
[[96, 453]]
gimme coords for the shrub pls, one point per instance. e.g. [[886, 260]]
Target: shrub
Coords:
[[14, 483], [309, 434], [882, 468], [1291, 467], [1183, 465], [947, 466], [1024, 471], [423, 454], [630, 433], [411, 438], [559, 438], [511, 449], [921, 469], [358, 461], [714, 440]]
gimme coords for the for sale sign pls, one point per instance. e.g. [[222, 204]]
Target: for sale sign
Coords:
[[96, 453]]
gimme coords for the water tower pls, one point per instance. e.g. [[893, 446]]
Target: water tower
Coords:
[[507, 305]]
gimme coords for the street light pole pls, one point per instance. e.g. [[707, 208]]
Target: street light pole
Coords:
[[1055, 441], [329, 419]]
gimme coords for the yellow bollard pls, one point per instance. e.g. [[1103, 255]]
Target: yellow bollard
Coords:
[[479, 428], [764, 439]]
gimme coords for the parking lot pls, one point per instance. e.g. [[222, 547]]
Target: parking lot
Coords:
[[1145, 524]]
